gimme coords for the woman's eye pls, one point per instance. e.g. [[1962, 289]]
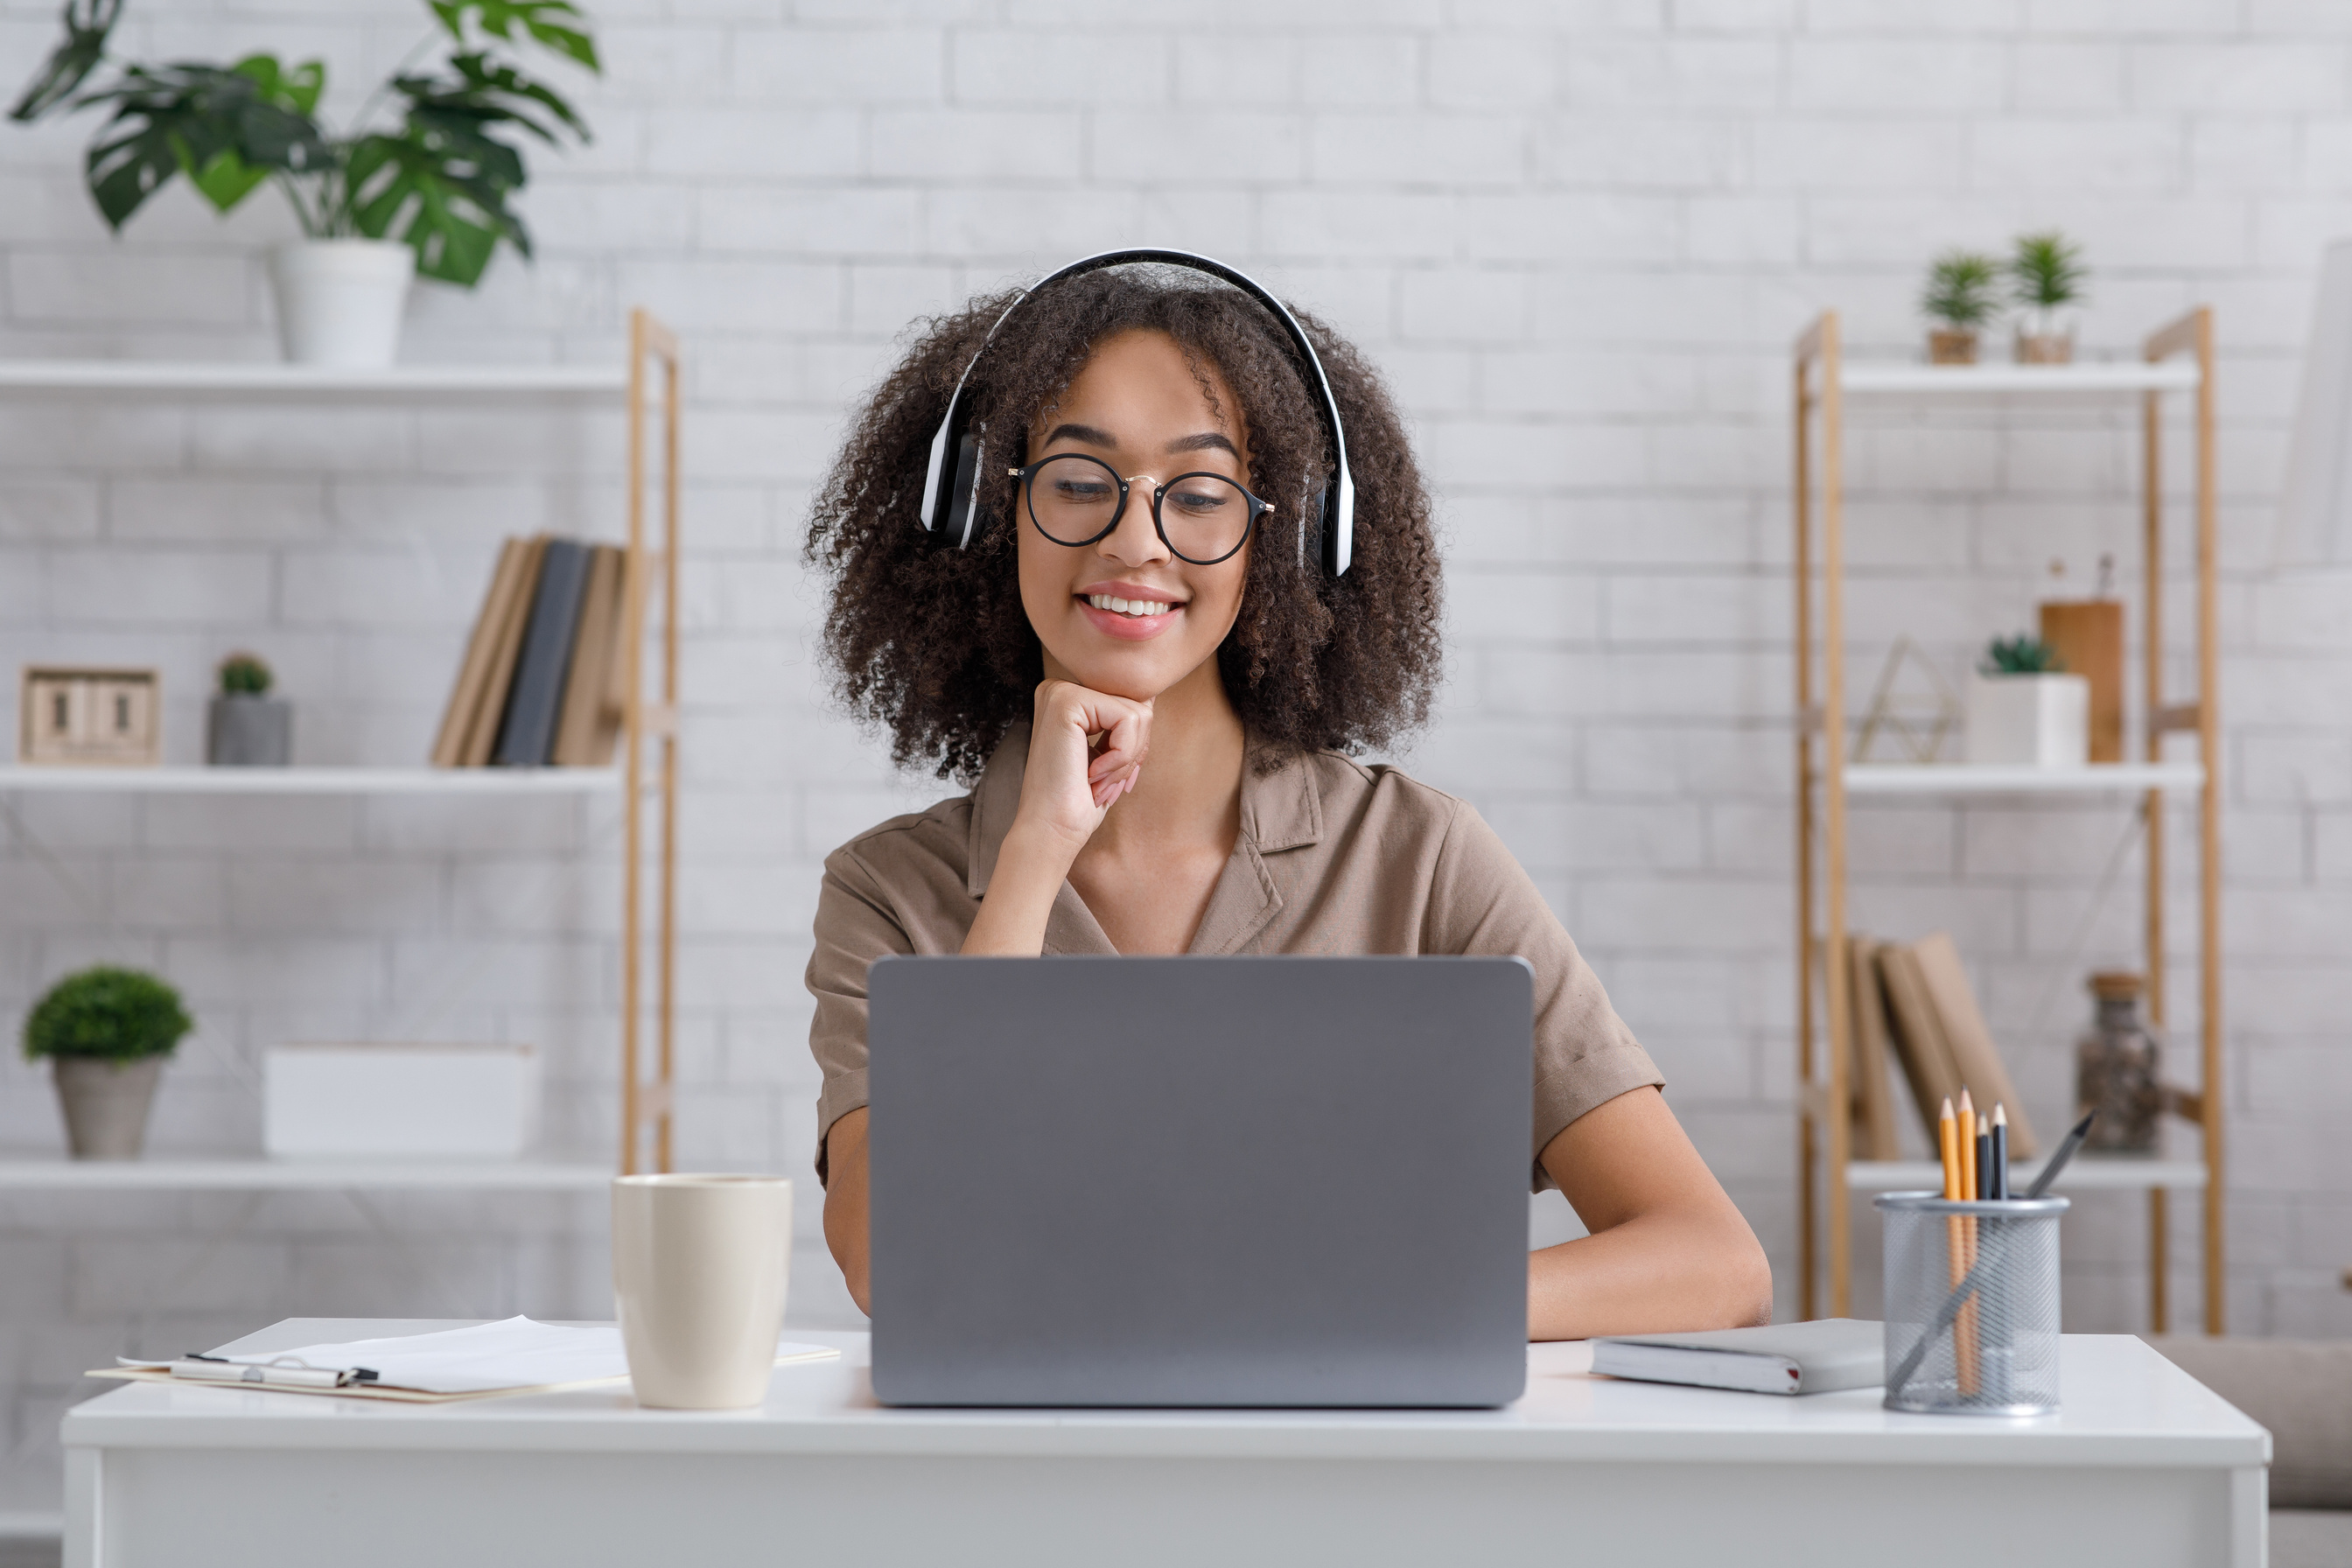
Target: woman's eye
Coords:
[[1198, 503], [1080, 493]]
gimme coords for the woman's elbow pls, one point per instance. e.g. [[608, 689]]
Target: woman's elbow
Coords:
[[1743, 1279]]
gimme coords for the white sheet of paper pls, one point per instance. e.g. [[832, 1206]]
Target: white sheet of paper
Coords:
[[515, 1353]]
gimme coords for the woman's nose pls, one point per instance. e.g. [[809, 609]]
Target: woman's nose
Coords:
[[1135, 543]]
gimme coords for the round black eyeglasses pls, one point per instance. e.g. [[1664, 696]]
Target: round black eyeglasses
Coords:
[[1076, 500]]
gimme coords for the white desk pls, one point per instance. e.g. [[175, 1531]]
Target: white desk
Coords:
[[2144, 1466]]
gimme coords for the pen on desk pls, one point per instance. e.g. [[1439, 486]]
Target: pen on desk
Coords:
[[197, 1368], [2000, 1152], [2073, 1141]]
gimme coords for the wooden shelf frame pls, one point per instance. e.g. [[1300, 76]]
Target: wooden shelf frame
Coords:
[[653, 385], [1826, 1174]]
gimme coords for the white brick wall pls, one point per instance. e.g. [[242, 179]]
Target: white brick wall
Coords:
[[1578, 237]]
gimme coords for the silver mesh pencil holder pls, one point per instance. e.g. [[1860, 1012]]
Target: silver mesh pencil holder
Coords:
[[1971, 1304]]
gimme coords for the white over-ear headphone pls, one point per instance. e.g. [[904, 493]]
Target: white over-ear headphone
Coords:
[[950, 507]]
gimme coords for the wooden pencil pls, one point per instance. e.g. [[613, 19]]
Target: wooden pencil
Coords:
[[1947, 1147], [1964, 1331], [1966, 1131]]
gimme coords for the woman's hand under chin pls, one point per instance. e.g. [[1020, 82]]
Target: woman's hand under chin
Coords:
[[1086, 750]]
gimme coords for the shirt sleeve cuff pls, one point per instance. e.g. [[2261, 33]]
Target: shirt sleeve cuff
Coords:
[[843, 1093], [1569, 1093]]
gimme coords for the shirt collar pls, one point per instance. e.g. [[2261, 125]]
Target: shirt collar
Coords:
[[1281, 807]]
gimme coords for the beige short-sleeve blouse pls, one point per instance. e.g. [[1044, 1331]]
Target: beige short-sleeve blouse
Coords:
[[1334, 857]]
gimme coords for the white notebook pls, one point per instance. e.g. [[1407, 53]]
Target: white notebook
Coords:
[[1817, 1357]]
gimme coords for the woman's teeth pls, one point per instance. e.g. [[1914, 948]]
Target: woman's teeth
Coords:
[[1127, 606]]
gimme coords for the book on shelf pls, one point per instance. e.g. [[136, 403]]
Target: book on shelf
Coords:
[[481, 650], [482, 729], [1918, 1035], [1941, 1038], [590, 719], [527, 732], [1874, 1088], [1975, 1057], [544, 676]]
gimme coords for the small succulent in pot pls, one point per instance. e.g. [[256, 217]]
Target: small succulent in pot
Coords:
[[2022, 655], [1959, 298], [106, 1032], [245, 727], [2047, 275], [244, 674]]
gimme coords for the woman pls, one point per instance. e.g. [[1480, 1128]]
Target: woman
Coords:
[[1151, 680]]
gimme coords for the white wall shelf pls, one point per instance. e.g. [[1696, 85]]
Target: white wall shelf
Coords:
[[2087, 1173], [57, 1174], [1939, 381], [270, 377], [308, 781], [1960, 778]]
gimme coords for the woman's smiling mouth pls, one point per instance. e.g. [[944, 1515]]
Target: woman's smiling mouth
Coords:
[[1127, 610]]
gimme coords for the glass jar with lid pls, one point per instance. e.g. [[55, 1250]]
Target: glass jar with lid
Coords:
[[2116, 1070]]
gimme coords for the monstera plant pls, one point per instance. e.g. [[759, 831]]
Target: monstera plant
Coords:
[[431, 161]]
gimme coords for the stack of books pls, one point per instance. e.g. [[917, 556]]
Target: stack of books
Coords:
[[1913, 1001], [544, 677]]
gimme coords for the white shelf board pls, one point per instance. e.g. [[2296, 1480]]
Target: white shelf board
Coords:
[[265, 376], [1864, 379], [1962, 778], [57, 1174], [310, 780], [2086, 1174]]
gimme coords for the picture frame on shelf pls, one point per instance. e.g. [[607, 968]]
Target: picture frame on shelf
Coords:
[[89, 717]]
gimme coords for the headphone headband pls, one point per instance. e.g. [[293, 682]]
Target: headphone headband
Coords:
[[950, 484]]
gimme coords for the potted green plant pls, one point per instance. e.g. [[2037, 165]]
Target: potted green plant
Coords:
[[418, 182], [2023, 709], [1960, 299], [106, 1033], [2046, 276], [245, 727]]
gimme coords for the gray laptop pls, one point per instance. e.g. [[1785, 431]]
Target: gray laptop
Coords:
[[1269, 1181]]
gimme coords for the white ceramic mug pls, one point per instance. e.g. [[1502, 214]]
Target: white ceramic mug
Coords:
[[699, 1269]]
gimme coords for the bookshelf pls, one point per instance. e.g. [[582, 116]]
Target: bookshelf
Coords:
[[646, 782], [2176, 359]]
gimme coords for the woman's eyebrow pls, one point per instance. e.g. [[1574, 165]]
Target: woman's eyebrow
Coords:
[[1206, 441], [1086, 433]]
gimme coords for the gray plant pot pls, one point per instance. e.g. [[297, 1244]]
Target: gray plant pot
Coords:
[[249, 732], [105, 1104]]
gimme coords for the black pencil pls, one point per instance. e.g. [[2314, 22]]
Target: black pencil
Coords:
[[2000, 1152], [1984, 1161]]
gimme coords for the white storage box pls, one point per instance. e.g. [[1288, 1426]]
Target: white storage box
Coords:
[[422, 1101], [2033, 721]]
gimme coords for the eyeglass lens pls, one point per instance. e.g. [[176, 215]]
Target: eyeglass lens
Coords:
[[1073, 498]]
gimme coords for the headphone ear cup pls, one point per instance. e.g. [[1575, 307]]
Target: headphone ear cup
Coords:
[[1325, 512], [963, 518]]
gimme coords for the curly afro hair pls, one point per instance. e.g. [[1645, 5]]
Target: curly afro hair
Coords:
[[932, 643]]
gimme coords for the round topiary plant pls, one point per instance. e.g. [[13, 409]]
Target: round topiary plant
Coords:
[[244, 675], [110, 1014]]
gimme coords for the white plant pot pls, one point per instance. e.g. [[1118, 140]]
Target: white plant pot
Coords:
[[2031, 721], [338, 300], [400, 1102]]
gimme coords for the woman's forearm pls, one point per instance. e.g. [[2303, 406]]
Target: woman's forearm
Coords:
[[1661, 1273], [1030, 870], [845, 1202]]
